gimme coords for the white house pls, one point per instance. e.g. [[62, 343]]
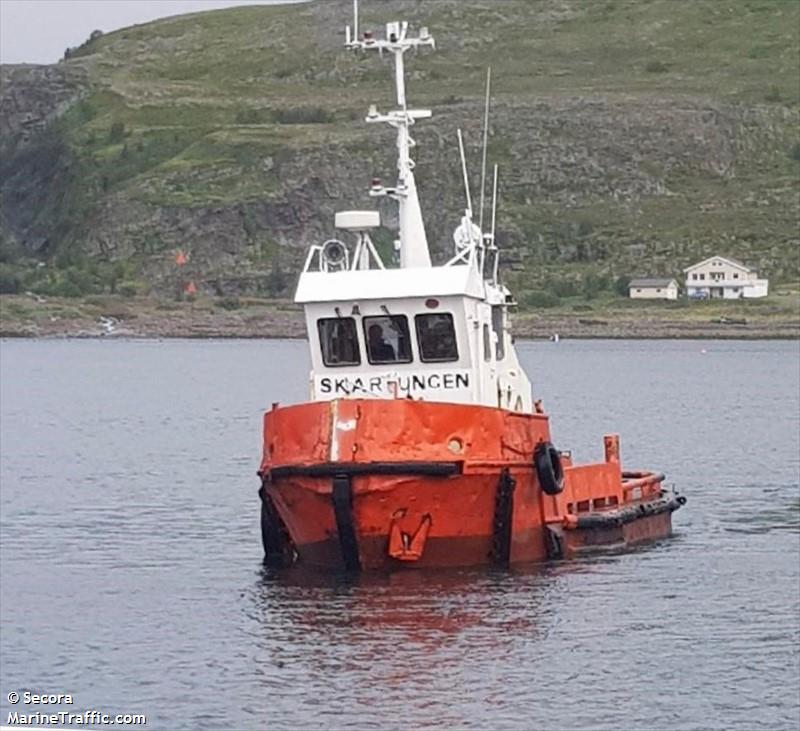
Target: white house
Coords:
[[653, 289], [719, 277]]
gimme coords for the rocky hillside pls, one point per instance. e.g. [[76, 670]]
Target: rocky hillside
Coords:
[[633, 138]]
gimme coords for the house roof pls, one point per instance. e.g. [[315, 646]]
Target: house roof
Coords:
[[652, 283], [733, 262]]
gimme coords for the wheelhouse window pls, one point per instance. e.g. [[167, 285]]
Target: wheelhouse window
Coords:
[[387, 338], [436, 337], [499, 332], [338, 340]]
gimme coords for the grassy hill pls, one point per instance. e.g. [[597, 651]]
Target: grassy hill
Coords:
[[634, 138]]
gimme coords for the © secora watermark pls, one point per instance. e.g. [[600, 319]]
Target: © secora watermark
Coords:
[[27, 713], [29, 698]]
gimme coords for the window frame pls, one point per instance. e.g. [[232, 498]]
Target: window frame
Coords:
[[498, 321], [417, 319], [407, 331], [349, 364]]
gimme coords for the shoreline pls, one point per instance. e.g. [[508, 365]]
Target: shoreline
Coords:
[[229, 327], [31, 317]]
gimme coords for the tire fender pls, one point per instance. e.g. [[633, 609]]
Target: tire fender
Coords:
[[549, 470]]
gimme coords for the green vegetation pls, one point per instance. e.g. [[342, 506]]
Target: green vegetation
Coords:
[[634, 138], [781, 309], [68, 276], [229, 303]]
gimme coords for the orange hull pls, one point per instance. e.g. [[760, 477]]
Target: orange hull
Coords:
[[379, 484]]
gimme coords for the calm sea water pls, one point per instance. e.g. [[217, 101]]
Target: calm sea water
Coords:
[[130, 558]]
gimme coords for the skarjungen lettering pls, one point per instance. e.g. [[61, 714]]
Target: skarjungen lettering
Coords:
[[413, 383]]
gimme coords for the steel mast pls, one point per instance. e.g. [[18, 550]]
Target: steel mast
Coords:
[[413, 242]]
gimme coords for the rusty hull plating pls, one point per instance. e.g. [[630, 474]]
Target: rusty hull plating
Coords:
[[381, 484]]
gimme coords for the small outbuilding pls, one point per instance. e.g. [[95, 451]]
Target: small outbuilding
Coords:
[[653, 289]]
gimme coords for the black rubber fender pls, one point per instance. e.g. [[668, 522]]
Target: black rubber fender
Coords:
[[278, 548], [549, 470]]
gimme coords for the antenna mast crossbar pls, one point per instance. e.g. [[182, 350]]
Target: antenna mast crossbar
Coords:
[[413, 241]]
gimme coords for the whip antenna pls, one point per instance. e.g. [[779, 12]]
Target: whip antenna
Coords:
[[493, 245], [485, 145], [464, 171]]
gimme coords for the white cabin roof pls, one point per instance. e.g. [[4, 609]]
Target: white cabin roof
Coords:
[[383, 284]]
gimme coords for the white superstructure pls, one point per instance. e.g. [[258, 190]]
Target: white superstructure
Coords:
[[439, 333]]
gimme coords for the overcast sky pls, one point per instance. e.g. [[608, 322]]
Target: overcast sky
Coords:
[[38, 31]]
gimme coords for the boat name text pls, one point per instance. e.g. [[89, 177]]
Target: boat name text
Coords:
[[413, 383]]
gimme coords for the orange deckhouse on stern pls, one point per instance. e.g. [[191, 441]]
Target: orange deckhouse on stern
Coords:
[[421, 445]]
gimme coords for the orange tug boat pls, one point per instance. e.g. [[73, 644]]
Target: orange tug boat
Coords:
[[421, 445]]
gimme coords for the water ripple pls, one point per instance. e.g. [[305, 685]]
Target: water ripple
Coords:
[[131, 574]]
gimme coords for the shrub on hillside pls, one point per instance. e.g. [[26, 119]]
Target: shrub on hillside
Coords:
[[229, 303], [117, 132], [593, 284], [277, 281], [9, 280], [539, 298], [773, 94], [85, 48], [72, 281], [251, 116], [621, 286], [302, 115], [64, 288], [128, 289], [656, 67], [562, 287]]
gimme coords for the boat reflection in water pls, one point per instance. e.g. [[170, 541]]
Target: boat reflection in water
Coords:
[[423, 607]]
